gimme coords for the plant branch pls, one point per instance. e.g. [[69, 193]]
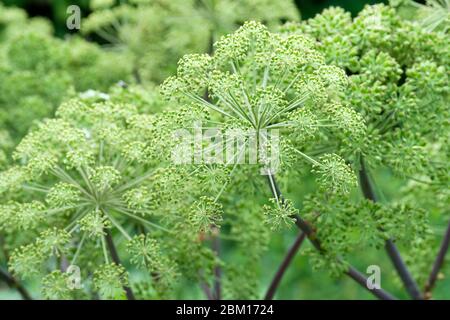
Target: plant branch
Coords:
[[284, 265], [362, 280], [392, 250], [312, 236], [115, 258], [13, 283], [438, 263], [217, 270], [207, 290]]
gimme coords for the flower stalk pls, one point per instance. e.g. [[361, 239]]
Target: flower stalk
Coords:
[[284, 266], [115, 258], [13, 283], [439, 261], [392, 250], [304, 226]]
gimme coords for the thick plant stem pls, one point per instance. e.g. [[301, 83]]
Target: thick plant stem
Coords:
[[284, 265], [115, 258], [362, 280], [13, 283], [438, 263], [410, 284], [304, 226], [217, 270], [402, 270], [207, 291]]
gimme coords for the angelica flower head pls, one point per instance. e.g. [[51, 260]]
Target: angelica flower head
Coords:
[[98, 171], [388, 59], [78, 174], [259, 80], [432, 15], [39, 72]]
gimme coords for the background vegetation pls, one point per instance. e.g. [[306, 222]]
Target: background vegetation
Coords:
[[56, 9], [300, 282]]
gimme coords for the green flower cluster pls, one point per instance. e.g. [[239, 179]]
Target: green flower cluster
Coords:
[[257, 82], [433, 15], [398, 82], [95, 170], [39, 71], [92, 202], [386, 58]]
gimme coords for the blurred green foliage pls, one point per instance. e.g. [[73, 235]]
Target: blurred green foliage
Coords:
[[56, 9], [300, 282], [310, 8]]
